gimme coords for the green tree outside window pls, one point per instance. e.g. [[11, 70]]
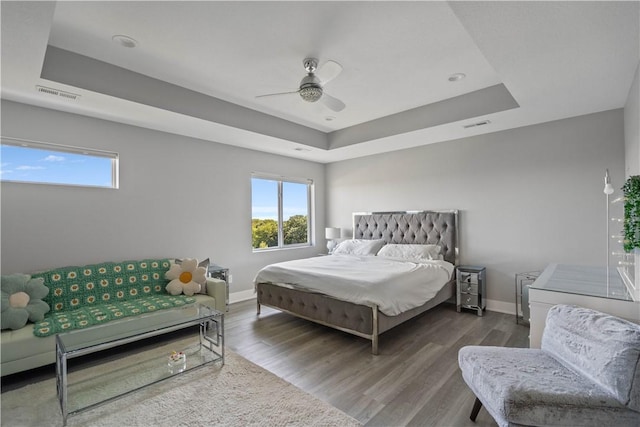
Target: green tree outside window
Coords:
[[280, 213]]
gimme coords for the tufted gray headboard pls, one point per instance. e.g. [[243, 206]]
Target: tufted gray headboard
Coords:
[[417, 227]]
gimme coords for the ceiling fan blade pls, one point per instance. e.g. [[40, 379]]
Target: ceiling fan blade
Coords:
[[328, 71], [333, 103], [277, 94]]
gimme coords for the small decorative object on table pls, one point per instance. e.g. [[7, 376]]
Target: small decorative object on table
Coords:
[[177, 362]]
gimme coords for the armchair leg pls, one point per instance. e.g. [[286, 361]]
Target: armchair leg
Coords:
[[476, 408]]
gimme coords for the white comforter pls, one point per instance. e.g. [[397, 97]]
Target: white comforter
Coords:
[[395, 285]]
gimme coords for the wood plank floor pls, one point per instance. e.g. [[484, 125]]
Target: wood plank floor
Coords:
[[414, 381]]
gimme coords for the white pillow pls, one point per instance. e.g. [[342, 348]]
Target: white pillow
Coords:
[[411, 251], [358, 247]]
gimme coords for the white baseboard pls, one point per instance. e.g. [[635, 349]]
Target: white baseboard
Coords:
[[501, 306], [492, 305], [242, 296]]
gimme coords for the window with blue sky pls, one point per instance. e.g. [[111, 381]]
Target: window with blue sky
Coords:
[[280, 212], [42, 163]]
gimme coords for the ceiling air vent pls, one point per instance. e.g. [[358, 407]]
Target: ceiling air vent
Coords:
[[56, 92], [482, 123]]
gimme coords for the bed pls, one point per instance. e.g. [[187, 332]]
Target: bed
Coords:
[[310, 299]]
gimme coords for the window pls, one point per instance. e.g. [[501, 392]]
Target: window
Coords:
[[280, 212], [44, 163]]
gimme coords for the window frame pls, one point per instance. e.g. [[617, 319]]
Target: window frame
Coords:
[[280, 180], [60, 148]]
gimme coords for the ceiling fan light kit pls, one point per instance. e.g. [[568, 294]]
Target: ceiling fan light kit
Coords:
[[311, 86], [310, 93]]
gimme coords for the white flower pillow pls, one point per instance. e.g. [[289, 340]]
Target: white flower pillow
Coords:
[[186, 277], [358, 247], [411, 251], [205, 264]]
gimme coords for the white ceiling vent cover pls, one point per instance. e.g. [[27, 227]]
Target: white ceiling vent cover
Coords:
[[56, 92], [482, 123]]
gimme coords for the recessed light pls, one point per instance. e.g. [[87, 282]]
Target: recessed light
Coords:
[[457, 77], [329, 118], [125, 41]]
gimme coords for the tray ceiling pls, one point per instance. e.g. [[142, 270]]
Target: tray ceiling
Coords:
[[197, 67]]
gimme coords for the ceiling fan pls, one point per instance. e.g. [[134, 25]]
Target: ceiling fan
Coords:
[[312, 85]]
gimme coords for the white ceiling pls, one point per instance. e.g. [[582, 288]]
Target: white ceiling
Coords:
[[199, 66]]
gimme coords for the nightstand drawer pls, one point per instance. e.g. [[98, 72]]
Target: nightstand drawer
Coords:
[[469, 299], [467, 277], [469, 288]]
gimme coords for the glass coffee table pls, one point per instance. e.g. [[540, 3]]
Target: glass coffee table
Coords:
[[123, 375]]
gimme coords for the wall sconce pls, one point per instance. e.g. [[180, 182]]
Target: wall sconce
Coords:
[[608, 188], [331, 234]]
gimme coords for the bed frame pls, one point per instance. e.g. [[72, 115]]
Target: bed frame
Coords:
[[415, 227]]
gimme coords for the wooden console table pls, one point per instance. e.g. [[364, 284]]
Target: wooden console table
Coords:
[[584, 286]]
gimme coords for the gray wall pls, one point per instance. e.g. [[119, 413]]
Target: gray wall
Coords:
[[632, 128], [528, 197], [178, 197]]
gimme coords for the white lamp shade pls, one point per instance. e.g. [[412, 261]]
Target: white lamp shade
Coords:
[[608, 188], [332, 233]]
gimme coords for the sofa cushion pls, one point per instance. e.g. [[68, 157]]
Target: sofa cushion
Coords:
[[21, 345], [527, 386], [84, 317], [603, 348], [85, 286]]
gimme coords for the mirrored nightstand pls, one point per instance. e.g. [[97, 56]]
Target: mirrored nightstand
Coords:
[[471, 288]]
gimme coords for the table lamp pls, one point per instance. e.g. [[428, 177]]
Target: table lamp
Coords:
[[331, 234]]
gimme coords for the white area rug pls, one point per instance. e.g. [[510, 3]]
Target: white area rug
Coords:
[[238, 394]]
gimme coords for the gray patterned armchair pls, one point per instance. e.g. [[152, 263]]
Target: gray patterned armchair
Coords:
[[587, 373]]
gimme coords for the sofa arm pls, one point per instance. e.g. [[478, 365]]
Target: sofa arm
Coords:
[[217, 289]]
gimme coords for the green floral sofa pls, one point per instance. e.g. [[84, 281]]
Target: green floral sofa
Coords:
[[83, 296]]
